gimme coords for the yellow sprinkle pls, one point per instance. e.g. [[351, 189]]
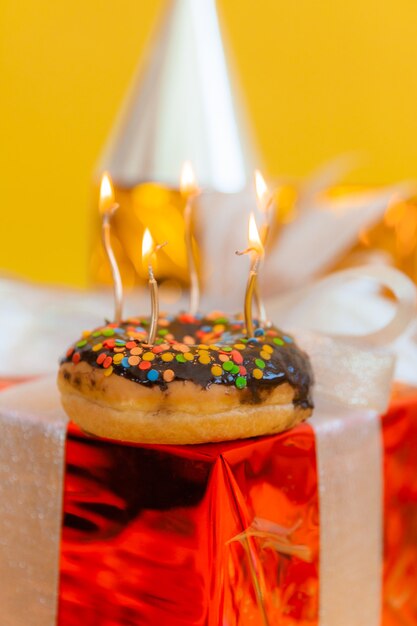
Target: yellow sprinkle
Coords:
[[86, 333], [97, 347], [204, 358], [257, 373], [108, 371], [213, 347], [265, 355], [136, 351], [216, 370], [239, 346], [167, 356], [203, 346], [148, 356], [118, 358], [189, 356], [218, 328], [268, 348]]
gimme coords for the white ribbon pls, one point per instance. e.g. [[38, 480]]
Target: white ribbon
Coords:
[[348, 443], [32, 449]]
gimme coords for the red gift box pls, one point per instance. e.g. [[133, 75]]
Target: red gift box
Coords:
[[220, 534]]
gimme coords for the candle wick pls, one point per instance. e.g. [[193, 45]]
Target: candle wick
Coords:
[[247, 251]]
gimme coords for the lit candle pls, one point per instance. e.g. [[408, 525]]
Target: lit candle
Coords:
[[265, 202], [189, 192], [256, 250], [148, 249], [108, 206]]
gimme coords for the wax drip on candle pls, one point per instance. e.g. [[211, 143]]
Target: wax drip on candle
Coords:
[[108, 206], [148, 250], [189, 192], [256, 251]]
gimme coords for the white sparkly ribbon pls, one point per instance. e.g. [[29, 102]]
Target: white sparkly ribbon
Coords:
[[349, 443], [32, 450]]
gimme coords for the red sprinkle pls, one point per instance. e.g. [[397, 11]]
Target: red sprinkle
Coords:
[[144, 365], [242, 370], [101, 358], [107, 362], [130, 345], [109, 343], [112, 325], [69, 352], [186, 319], [76, 357], [157, 349], [236, 356]]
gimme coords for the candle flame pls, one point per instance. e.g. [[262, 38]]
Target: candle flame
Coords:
[[188, 184], [254, 238], [262, 191], [147, 244], [106, 202]]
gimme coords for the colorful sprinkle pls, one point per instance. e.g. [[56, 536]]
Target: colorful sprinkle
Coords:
[[228, 366], [152, 375], [240, 382], [136, 351], [134, 360], [108, 371], [204, 358], [168, 376], [239, 346], [108, 332], [144, 365], [148, 356], [224, 358], [70, 352], [260, 363], [265, 355], [277, 341], [81, 343], [257, 373], [118, 358], [237, 357], [242, 370], [131, 344], [268, 348], [107, 362], [125, 362], [162, 332], [97, 347], [235, 369], [167, 356], [180, 358], [216, 370], [76, 357], [101, 357], [287, 339], [259, 332], [189, 356]]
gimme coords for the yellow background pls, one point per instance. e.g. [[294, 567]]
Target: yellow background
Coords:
[[321, 78]]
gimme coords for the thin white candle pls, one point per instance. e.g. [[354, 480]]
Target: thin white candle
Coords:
[[190, 191]]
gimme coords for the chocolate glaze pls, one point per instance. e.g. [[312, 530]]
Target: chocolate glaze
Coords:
[[286, 362]]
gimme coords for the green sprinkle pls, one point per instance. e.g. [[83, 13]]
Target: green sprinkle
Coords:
[[108, 332], [162, 332], [159, 341], [235, 369], [120, 342], [221, 320], [96, 333], [144, 322], [81, 343], [278, 341], [243, 340], [226, 349], [240, 382], [260, 363], [228, 366], [181, 358]]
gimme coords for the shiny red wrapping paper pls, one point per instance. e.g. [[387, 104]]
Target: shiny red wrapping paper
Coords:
[[222, 534]]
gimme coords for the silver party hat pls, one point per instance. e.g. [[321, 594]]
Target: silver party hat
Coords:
[[183, 105]]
